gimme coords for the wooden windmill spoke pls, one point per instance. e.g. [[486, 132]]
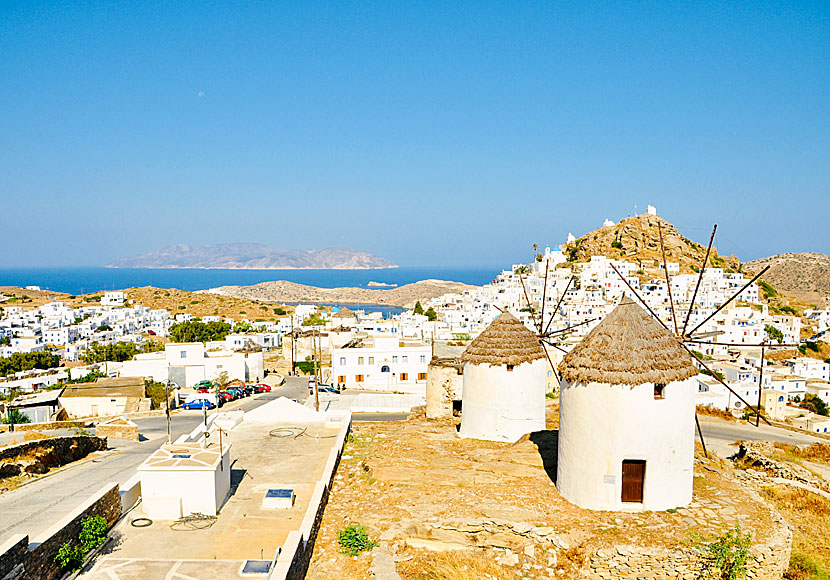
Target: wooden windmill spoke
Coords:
[[668, 282], [568, 329], [640, 298], [721, 381], [699, 279], [722, 306], [559, 302], [529, 305], [550, 362], [544, 291]]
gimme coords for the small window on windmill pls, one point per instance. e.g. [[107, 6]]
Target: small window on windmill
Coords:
[[510, 368], [658, 391]]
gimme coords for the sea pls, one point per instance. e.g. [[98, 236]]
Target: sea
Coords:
[[84, 280]]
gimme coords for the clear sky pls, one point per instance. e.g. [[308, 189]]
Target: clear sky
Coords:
[[430, 133]]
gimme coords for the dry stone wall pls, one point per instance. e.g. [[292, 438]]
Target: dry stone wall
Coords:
[[444, 384], [40, 455], [36, 561]]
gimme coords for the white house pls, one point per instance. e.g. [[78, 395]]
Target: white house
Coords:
[[113, 299], [382, 363], [185, 364]]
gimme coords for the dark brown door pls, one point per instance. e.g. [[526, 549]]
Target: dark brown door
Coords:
[[633, 476]]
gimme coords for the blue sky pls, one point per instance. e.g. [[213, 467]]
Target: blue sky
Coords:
[[437, 134]]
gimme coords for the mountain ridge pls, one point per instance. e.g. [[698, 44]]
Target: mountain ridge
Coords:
[[252, 256], [805, 275]]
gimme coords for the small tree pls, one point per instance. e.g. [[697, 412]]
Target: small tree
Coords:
[[774, 333], [15, 416], [431, 314], [418, 308], [221, 380]]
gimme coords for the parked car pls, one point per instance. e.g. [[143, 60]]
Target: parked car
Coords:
[[263, 388], [202, 390], [198, 404]]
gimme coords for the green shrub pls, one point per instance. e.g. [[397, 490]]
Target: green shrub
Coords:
[[69, 556], [354, 539], [724, 557], [92, 535], [16, 416], [93, 532]]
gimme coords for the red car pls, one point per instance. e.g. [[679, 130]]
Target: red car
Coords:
[[202, 390], [262, 388]]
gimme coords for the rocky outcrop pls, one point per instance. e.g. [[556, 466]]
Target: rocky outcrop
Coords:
[[37, 457], [757, 454]]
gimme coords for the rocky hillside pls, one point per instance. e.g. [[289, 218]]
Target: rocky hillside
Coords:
[[805, 276], [636, 239], [283, 291], [253, 256]]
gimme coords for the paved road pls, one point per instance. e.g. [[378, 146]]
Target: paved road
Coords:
[[36, 506], [721, 436]]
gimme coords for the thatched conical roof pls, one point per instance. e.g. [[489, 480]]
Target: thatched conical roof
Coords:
[[505, 342], [629, 347]]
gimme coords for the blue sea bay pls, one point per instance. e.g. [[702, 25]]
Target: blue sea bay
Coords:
[[83, 280]]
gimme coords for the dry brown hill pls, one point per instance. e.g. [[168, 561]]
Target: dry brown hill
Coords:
[[283, 291], [171, 299], [636, 239], [805, 276]]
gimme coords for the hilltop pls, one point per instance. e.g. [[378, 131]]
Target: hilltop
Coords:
[[636, 239], [283, 291], [171, 299], [254, 257], [805, 276]]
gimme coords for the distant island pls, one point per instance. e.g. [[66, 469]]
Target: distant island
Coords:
[[249, 256]]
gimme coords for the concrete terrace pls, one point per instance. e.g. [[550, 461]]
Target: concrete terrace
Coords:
[[263, 456]]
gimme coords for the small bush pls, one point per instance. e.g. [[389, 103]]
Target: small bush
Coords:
[[354, 539], [724, 557], [69, 556], [93, 532]]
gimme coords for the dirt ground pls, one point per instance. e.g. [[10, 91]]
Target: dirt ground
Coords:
[[420, 491]]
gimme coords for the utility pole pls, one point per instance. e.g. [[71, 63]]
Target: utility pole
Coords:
[[167, 410], [760, 385], [316, 382], [293, 338]]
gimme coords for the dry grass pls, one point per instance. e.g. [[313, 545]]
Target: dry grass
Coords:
[[455, 565], [817, 452], [34, 436], [713, 412], [809, 515]]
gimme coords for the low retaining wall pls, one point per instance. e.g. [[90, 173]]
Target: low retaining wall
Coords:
[[21, 559], [291, 563], [768, 560], [52, 452]]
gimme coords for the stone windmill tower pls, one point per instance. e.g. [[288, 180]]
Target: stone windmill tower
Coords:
[[627, 416], [503, 396]]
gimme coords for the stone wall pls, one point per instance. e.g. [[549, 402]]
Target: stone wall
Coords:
[[35, 560], [444, 383], [127, 431], [292, 563], [40, 455], [768, 560]]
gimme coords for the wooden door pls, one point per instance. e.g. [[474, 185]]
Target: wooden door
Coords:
[[633, 476]]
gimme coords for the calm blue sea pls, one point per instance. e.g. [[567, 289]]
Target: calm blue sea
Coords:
[[85, 280]]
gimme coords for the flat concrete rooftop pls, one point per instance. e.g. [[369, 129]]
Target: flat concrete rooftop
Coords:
[[284, 456]]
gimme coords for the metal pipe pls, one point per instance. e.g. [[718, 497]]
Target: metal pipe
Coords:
[[668, 281]]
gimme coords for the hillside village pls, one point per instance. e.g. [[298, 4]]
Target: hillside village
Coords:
[[597, 326]]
